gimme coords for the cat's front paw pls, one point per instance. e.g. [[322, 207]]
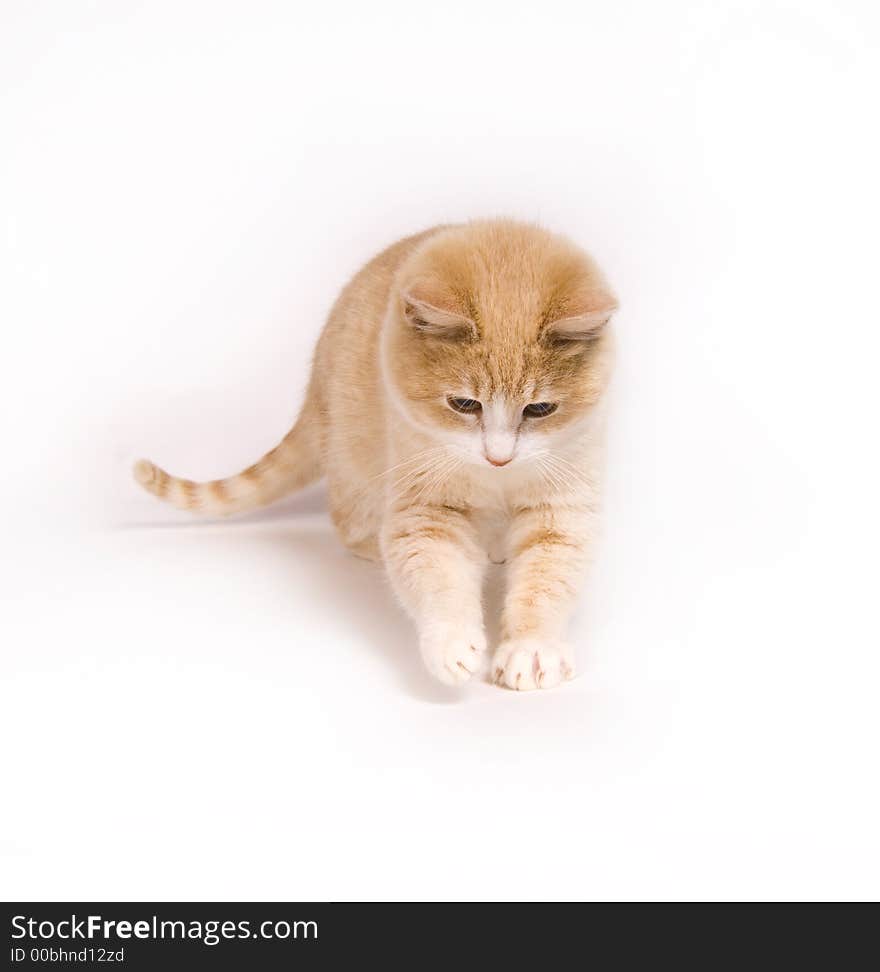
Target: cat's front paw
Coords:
[[452, 654], [532, 663]]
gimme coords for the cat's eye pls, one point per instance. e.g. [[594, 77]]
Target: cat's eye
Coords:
[[465, 405], [539, 409]]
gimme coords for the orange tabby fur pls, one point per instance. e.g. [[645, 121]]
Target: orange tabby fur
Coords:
[[497, 313]]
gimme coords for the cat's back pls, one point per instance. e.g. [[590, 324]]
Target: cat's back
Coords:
[[354, 322], [346, 377]]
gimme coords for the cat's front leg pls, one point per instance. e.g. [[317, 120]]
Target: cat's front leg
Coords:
[[436, 565], [549, 550]]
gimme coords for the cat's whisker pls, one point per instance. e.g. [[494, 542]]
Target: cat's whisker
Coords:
[[549, 475], [569, 483], [560, 475], [412, 476], [438, 477], [567, 473], [542, 464], [442, 475], [410, 460], [542, 472], [576, 471]]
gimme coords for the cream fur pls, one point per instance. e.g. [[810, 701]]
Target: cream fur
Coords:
[[497, 312]]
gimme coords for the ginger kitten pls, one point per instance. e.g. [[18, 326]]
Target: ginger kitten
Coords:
[[456, 407]]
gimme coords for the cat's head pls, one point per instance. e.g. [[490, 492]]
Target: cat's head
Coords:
[[496, 341]]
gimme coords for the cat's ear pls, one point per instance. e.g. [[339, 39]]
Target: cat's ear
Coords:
[[583, 319], [431, 318]]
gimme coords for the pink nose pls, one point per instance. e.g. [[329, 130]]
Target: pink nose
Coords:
[[498, 462]]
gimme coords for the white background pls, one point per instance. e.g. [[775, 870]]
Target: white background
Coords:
[[236, 710]]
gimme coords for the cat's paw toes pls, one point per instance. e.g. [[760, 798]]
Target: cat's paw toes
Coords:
[[453, 655], [529, 663]]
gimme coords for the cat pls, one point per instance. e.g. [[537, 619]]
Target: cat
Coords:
[[456, 408]]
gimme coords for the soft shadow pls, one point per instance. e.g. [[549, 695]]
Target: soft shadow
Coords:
[[303, 533], [309, 502], [365, 601], [297, 531]]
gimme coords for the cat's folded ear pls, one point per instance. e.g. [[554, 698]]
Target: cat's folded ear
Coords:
[[429, 313], [583, 317]]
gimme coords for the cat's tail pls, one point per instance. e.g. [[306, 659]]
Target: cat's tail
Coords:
[[292, 464]]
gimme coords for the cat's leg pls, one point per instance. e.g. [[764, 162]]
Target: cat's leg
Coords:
[[356, 515], [548, 553], [436, 565]]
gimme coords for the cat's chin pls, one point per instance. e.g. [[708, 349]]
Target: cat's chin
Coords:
[[523, 664]]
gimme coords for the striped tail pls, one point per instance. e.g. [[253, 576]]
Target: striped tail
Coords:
[[292, 464]]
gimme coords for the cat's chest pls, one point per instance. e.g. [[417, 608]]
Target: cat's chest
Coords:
[[492, 505], [492, 525]]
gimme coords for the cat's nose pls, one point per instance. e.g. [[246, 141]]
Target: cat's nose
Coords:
[[499, 462]]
